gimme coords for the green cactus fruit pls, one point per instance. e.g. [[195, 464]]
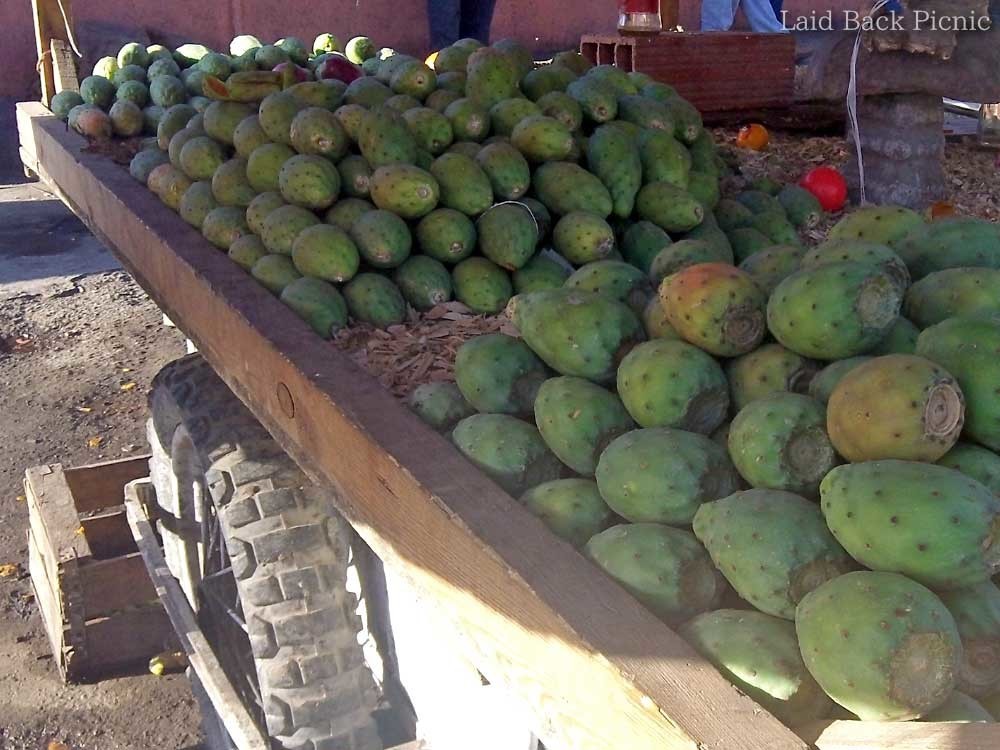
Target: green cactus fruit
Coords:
[[614, 77], [885, 225], [274, 272], [366, 92], [669, 207], [309, 181], [613, 155], [669, 383], [952, 242], [688, 125], [126, 119], [780, 442], [506, 169], [539, 273], [382, 238], [318, 303], [747, 242], [565, 187], [576, 333], [230, 184], [200, 157], [469, 120], [597, 100], [188, 54], [246, 251], [562, 107], [98, 91], [325, 252], [405, 190], [268, 56], [374, 299], [642, 242], [663, 567], [775, 227], [402, 102], [833, 311], [760, 202], [169, 184], [264, 166], [896, 406], [248, 135], [282, 225], [414, 79], [446, 235], [317, 131], [510, 451], [491, 76], [451, 60], [481, 285], [901, 339], [646, 113], [704, 187], [243, 43], [194, 81], [992, 704], [355, 176], [731, 214], [151, 116], [573, 60], [506, 114], [260, 207], [216, 64], [976, 610], [296, 49], [196, 203], [464, 186], [106, 67], [974, 461], [664, 159], [345, 212], [136, 93], [499, 374], [770, 369], [145, 162], [542, 216], [166, 91], [582, 237], [654, 320], [860, 251], [440, 404], [960, 708], [508, 235], [578, 419], [519, 55], [824, 382], [663, 475], [542, 139], [431, 129], [801, 206], [359, 48], [953, 292], [63, 102], [966, 348], [172, 122], [384, 138], [617, 279], [716, 307], [684, 253], [760, 655], [224, 225], [572, 508], [129, 74], [771, 266], [133, 53], [455, 82], [424, 282], [882, 646], [221, 119], [931, 523]]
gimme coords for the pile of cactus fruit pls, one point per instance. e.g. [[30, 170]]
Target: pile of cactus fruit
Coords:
[[792, 460]]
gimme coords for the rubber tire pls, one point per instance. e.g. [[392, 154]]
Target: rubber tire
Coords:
[[289, 550]]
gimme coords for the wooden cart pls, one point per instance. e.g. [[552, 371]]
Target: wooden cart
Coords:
[[596, 669]]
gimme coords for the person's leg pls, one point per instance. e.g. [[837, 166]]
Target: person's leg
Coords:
[[717, 15], [476, 17], [761, 16], [443, 22]]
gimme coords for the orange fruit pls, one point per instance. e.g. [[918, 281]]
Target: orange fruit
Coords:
[[754, 137]]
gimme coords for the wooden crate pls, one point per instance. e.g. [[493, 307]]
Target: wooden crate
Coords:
[[716, 72], [100, 610], [594, 667]]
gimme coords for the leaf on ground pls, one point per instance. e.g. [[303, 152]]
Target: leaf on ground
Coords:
[[95, 442], [128, 386], [8, 570], [84, 409]]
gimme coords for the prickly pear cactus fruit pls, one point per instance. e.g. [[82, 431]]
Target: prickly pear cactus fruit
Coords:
[[565, 187], [576, 333], [440, 404], [886, 225], [613, 156], [966, 347], [196, 202], [492, 76], [469, 121], [822, 385], [901, 339], [716, 307], [382, 238], [274, 272], [464, 185], [481, 285], [542, 139], [684, 253], [953, 292], [882, 646], [760, 655], [246, 251], [859, 251], [731, 214], [664, 158], [506, 168], [622, 281], [663, 567], [264, 166], [976, 610], [145, 162], [346, 211], [508, 450], [325, 252], [896, 406], [780, 442], [315, 130], [582, 237], [597, 100], [355, 176], [928, 522], [221, 119], [430, 128], [260, 207], [172, 122], [654, 320], [563, 107], [770, 369], [372, 298], [318, 303], [669, 207], [424, 282], [578, 419], [953, 242], [772, 546], [833, 311], [384, 138], [669, 383], [446, 235], [508, 235], [776, 227], [404, 189], [282, 225], [230, 185], [976, 462], [572, 508], [642, 242], [500, 374], [801, 206], [224, 225], [663, 475], [747, 242]]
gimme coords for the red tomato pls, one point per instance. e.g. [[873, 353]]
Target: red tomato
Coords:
[[828, 185]]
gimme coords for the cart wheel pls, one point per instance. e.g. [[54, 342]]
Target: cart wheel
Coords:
[[263, 556]]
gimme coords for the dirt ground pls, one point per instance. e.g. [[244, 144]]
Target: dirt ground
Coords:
[[77, 353]]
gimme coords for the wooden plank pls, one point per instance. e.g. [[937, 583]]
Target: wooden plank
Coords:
[[107, 535], [52, 500], [241, 727], [598, 670], [63, 66], [108, 586], [48, 602], [99, 486], [50, 25], [127, 638], [876, 735]]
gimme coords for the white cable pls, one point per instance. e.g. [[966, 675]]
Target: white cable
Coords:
[[69, 31], [852, 102]]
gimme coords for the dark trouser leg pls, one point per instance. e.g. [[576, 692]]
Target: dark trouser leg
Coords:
[[477, 15], [443, 18]]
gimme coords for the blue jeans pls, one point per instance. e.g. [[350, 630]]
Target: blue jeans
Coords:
[[718, 15], [451, 20]]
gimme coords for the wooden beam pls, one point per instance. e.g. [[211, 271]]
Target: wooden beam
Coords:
[[889, 735], [597, 669], [50, 26]]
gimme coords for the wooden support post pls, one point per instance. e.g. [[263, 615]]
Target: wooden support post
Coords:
[[56, 66]]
